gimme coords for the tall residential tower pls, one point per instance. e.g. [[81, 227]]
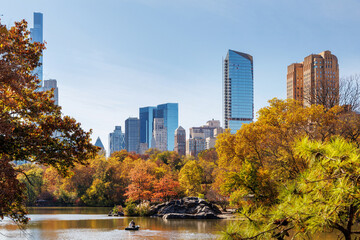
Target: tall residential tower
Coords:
[[238, 90], [36, 34], [315, 80]]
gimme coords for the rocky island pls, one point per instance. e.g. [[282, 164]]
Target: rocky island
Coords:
[[186, 208]]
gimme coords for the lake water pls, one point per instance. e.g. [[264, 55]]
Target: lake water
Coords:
[[93, 223]]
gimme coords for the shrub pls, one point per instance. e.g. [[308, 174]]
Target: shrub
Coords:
[[130, 209], [143, 209]]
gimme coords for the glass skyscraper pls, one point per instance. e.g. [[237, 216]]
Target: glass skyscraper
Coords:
[[132, 134], [167, 111], [146, 115], [238, 90], [36, 34]]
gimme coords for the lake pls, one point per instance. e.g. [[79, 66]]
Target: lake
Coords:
[[93, 223]]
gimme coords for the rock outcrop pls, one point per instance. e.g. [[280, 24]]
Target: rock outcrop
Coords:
[[186, 208]]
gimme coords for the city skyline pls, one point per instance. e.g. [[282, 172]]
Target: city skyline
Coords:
[[179, 60]]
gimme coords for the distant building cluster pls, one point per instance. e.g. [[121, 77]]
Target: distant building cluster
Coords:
[[313, 81]]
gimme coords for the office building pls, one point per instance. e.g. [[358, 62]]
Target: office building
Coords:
[[52, 84], [238, 90], [116, 140], [315, 80], [36, 34], [159, 135], [168, 112], [180, 141], [132, 134]]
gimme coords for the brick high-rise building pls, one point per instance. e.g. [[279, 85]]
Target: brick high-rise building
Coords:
[[315, 80]]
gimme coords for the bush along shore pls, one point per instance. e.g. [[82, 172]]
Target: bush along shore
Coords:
[[185, 208]]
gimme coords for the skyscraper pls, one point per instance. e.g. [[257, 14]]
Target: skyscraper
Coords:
[[180, 141], [167, 111], [36, 34], [99, 144], [116, 140], [52, 84], [238, 90], [146, 115], [315, 80], [132, 134]]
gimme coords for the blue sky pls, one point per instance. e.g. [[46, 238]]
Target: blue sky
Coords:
[[112, 57]]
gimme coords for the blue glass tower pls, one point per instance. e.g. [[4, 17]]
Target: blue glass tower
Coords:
[[167, 111], [36, 34], [238, 90], [146, 115], [132, 134]]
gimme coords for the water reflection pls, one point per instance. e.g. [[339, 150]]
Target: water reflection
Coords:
[[93, 223]]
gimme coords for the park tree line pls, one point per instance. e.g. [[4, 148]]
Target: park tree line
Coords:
[[123, 177]]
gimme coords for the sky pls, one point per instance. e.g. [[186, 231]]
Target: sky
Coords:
[[112, 57]]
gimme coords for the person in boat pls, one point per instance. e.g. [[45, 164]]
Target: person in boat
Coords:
[[132, 224]]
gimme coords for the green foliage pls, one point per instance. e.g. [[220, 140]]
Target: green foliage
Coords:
[[130, 209], [32, 178]]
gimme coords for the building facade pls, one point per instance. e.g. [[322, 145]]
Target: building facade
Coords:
[[116, 140], [159, 134], [132, 134], [238, 95], [36, 34], [180, 141], [315, 80], [52, 84], [195, 145]]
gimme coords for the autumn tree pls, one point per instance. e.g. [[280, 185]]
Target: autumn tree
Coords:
[[29, 120], [260, 156], [142, 181], [326, 196], [190, 178], [167, 187]]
